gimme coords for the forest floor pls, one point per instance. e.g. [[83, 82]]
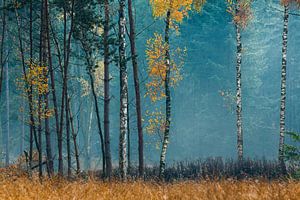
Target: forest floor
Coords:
[[18, 186]]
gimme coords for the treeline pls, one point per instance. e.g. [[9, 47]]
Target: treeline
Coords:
[[47, 33]]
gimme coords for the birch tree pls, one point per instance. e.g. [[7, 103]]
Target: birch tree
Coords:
[[286, 4], [161, 65], [241, 14], [123, 90]]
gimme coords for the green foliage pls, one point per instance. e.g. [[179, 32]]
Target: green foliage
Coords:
[[292, 153]]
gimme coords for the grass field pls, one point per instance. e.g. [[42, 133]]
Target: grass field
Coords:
[[15, 184], [24, 188]]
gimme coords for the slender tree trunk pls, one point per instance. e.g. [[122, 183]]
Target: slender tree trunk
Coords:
[[64, 106], [283, 86], [41, 63], [50, 168], [32, 127], [74, 136], [98, 119], [2, 137], [88, 139], [27, 87], [123, 90], [23, 129], [60, 138], [40, 137], [168, 101], [137, 89], [239, 94], [44, 56], [7, 135], [106, 90], [51, 71], [128, 139], [68, 134], [3, 34]]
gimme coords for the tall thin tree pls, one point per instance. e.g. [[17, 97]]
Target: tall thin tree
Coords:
[[160, 69], [3, 34], [241, 14], [132, 36], [7, 135], [45, 61], [283, 82], [123, 90], [107, 88], [162, 164]]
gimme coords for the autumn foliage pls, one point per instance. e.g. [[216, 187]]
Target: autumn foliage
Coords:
[[156, 51], [35, 83], [240, 11], [178, 8], [286, 2]]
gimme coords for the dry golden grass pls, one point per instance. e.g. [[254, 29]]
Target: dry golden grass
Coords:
[[16, 186]]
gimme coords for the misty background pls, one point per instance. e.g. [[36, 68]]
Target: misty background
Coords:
[[203, 110]]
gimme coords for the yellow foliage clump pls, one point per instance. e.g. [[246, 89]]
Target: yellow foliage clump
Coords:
[[37, 78], [178, 8], [35, 83], [156, 52], [156, 122]]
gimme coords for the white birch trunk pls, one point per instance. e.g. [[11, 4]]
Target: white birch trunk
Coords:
[[168, 101], [239, 94], [283, 84], [123, 91]]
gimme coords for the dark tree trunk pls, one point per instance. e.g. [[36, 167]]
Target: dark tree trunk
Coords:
[[74, 136], [32, 126], [137, 89], [68, 134], [40, 138], [128, 139], [4, 61], [60, 138], [283, 86], [7, 134], [51, 71], [106, 90], [45, 55], [67, 46], [168, 101], [42, 62], [3, 34], [27, 87], [98, 118]]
